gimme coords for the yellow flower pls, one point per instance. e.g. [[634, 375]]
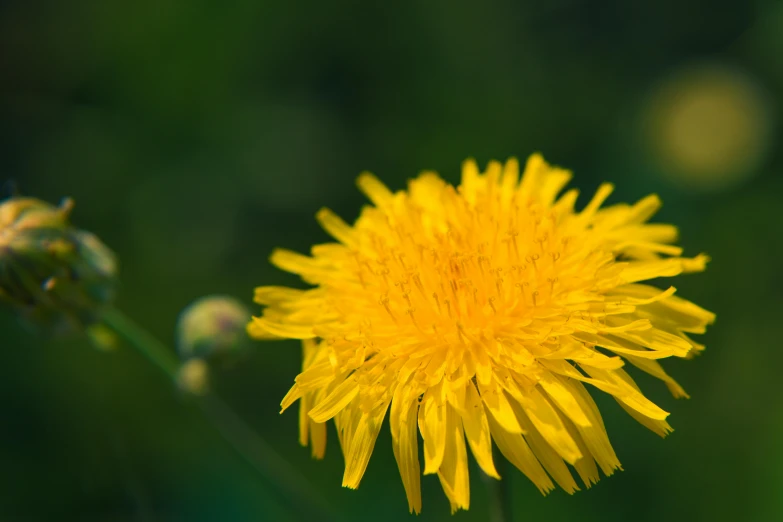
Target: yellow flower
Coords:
[[480, 312]]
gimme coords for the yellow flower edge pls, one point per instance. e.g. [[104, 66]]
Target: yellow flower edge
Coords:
[[479, 313]]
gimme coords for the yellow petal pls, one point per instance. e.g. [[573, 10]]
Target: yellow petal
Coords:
[[565, 205], [534, 170], [656, 339], [432, 424], [363, 441], [309, 352], [318, 438], [552, 184], [658, 426], [585, 466], [492, 174], [644, 209], [624, 346], [508, 185], [304, 420], [683, 314], [643, 270], [610, 220], [516, 450], [618, 325], [656, 370], [335, 401], [293, 395], [453, 472], [374, 189], [346, 422], [257, 332], [656, 232], [510, 176], [547, 422], [629, 392], [563, 397], [282, 329], [603, 192], [641, 294], [474, 420], [578, 352], [316, 376], [567, 370], [277, 295], [405, 443], [471, 181], [639, 243], [545, 453], [599, 360], [594, 436], [310, 269], [337, 228], [497, 403]]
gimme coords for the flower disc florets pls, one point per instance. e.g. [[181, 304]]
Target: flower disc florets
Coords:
[[477, 313]]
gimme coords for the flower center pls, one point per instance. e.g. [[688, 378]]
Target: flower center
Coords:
[[452, 270]]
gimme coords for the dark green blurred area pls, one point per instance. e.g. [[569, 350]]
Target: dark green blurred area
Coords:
[[197, 136]]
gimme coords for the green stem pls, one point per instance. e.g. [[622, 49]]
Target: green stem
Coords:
[[289, 484], [499, 494], [155, 351]]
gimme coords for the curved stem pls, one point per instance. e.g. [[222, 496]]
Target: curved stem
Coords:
[[155, 351], [292, 486]]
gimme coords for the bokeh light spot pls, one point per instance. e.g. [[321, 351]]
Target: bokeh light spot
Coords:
[[708, 127]]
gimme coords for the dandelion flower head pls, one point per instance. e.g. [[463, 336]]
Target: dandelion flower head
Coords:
[[482, 313]]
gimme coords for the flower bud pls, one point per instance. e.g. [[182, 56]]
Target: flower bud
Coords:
[[212, 327], [193, 377], [56, 278]]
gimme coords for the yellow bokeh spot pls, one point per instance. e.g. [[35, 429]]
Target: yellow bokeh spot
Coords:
[[708, 127]]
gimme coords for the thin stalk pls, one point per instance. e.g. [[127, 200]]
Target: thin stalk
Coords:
[[288, 483], [499, 494], [155, 351]]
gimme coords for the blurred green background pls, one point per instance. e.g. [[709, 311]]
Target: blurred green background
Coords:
[[196, 136]]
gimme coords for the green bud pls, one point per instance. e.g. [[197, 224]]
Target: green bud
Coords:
[[56, 278], [212, 327]]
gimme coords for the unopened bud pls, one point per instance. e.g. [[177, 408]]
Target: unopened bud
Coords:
[[53, 276], [212, 327], [193, 377]]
